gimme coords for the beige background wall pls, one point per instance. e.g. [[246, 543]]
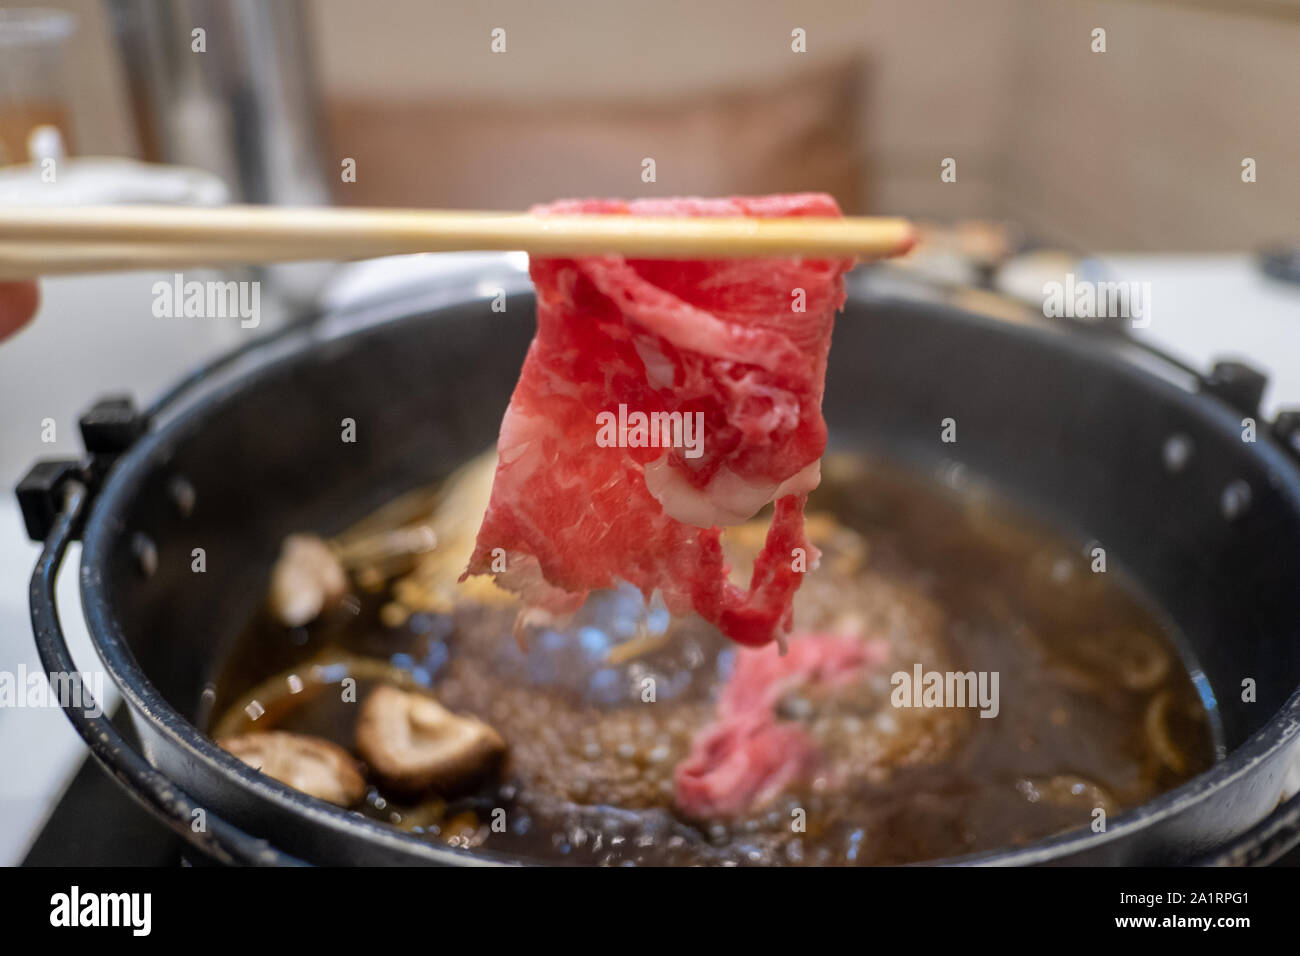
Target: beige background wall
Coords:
[[924, 96], [1139, 147]]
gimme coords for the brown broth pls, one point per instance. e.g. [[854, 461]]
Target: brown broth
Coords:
[[1096, 708]]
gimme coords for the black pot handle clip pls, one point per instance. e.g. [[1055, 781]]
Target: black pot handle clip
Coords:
[[54, 497]]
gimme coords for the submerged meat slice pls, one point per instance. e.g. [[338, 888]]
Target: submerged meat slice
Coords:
[[748, 756], [726, 362]]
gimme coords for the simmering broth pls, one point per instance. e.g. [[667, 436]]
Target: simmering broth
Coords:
[[1090, 709]]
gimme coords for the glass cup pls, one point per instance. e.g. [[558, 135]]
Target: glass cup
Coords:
[[34, 118]]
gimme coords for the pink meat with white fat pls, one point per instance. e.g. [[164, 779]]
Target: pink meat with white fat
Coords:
[[748, 755], [741, 343]]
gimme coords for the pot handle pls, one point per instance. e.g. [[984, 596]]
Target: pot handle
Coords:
[[218, 839]]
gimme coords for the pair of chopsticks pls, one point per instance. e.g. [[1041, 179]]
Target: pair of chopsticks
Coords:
[[47, 240]]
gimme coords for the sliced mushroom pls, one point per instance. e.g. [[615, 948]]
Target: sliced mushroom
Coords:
[[272, 702], [413, 743], [389, 552], [306, 579], [1067, 791], [310, 764], [1156, 724], [1134, 655]]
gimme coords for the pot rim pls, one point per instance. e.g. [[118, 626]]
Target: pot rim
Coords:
[[124, 479]]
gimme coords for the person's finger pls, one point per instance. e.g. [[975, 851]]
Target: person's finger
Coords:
[[18, 302]]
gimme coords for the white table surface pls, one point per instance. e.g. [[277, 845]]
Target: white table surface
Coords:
[[93, 336]]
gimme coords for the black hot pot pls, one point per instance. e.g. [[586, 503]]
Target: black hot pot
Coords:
[[1110, 441]]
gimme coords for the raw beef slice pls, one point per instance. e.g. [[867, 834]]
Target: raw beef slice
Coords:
[[741, 342], [747, 756]]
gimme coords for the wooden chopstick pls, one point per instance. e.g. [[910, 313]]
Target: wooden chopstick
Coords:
[[45, 240]]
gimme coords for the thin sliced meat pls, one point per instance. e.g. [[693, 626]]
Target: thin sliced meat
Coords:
[[747, 756], [739, 346], [739, 765]]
